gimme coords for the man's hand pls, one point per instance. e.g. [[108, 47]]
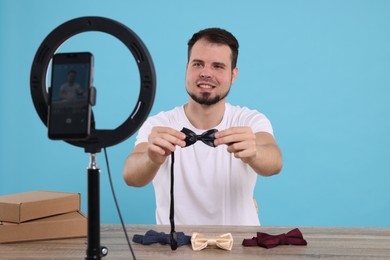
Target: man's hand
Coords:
[[241, 141], [162, 141], [259, 150]]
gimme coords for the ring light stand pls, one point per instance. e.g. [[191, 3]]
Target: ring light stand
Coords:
[[98, 138]]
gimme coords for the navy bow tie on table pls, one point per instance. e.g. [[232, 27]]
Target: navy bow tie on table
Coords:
[[294, 237], [152, 237], [191, 138]]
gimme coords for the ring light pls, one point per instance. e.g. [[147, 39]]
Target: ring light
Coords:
[[98, 138]]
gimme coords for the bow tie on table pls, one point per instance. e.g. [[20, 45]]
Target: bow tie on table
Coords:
[[200, 241], [294, 237], [206, 137], [191, 138], [152, 237]]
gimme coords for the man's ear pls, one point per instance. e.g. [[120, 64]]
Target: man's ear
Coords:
[[234, 74]]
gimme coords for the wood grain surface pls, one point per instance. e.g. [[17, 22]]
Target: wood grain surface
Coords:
[[323, 242]]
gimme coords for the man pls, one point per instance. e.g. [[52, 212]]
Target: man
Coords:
[[71, 89], [213, 186]]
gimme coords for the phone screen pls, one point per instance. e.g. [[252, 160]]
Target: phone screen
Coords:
[[69, 105]]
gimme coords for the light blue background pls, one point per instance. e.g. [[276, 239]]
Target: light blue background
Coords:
[[320, 70]]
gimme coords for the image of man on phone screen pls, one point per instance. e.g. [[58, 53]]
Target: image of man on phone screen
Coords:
[[71, 89]]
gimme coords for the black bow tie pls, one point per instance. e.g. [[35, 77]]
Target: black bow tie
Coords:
[[207, 137], [191, 138]]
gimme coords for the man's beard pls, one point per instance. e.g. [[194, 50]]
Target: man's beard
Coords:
[[204, 98]]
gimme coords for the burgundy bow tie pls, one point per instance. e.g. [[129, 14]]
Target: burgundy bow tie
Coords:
[[206, 137], [294, 237]]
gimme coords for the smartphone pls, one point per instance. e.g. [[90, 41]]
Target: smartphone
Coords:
[[69, 96]]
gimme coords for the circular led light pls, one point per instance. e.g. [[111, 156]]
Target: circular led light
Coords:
[[98, 138]]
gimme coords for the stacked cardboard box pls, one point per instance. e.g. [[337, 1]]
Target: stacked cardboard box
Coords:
[[39, 215]]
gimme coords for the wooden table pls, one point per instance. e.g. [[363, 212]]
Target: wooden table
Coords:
[[323, 242]]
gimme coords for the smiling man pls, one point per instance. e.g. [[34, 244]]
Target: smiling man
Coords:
[[213, 186]]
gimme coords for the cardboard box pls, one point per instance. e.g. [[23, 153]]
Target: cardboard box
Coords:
[[67, 225], [26, 206]]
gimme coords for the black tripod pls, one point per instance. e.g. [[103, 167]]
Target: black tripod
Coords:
[[94, 250]]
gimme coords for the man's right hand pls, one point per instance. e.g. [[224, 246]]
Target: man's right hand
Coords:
[[162, 141]]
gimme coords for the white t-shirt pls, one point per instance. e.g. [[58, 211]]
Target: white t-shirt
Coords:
[[211, 186], [67, 88]]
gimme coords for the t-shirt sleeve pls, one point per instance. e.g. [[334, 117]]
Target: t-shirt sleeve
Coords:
[[262, 124], [144, 131], [256, 120]]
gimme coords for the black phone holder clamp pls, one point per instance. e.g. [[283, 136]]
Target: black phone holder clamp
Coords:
[[99, 138], [92, 96]]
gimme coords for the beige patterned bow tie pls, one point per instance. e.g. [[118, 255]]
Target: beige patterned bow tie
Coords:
[[200, 241]]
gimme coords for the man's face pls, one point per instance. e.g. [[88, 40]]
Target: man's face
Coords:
[[209, 72], [71, 77]]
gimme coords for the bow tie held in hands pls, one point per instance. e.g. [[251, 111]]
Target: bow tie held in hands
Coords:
[[207, 137], [191, 138], [293, 237], [200, 241]]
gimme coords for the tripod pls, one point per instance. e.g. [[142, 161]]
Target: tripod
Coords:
[[94, 250]]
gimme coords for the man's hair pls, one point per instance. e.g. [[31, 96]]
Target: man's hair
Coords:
[[219, 36]]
